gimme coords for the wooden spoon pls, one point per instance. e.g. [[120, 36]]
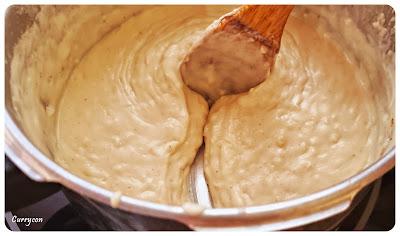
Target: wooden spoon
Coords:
[[236, 52]]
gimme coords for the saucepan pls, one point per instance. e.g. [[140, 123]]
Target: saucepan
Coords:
[[94, 202]]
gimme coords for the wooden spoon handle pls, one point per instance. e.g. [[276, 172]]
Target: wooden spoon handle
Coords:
[[268, 20]]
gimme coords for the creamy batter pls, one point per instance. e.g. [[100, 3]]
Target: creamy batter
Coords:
[[99, 90], [112, 107], [311, 124], [136, 127]]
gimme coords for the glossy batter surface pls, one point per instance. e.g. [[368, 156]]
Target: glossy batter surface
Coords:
[[309, 125], [111, 106], [126, 121]]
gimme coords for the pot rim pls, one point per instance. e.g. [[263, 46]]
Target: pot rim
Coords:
[[20, 150]]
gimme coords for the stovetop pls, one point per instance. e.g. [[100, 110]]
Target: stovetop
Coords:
[[28, 199]]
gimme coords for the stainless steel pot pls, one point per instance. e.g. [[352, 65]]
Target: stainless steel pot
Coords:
[[94, 202]]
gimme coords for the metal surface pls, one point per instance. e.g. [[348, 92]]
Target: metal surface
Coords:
[[39, 201], [198, 188], [275, 216]]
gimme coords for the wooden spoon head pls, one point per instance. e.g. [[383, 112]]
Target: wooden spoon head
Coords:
[[230, 59]]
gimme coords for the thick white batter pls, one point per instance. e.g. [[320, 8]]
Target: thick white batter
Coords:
[[310, 124], [110, 106], [126, 121]]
